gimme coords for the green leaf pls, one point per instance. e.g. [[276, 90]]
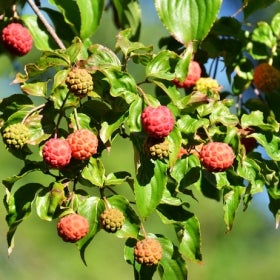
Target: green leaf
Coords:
[[251, 6], [90, 13], [83, 16], [18, 207], [187, 229], [190, 238], [108, 127], [222, 114], [80, 121], [90, 208], [94, 172], [270, 143], [188, 20], [128, 15], [35, 89], [275, 25], [186, 172], [162, 66], [48, 201], [256, 118], [172, 265], [29, 167], [117, 178], [134, 120], [231, 200], [263, 34], [122, 84], [102, 57], [174, 139], [13, 103], [189, 125], [149, 186], [41, 38], [70, 13], [136, 50], [48, 60], [131, 224]]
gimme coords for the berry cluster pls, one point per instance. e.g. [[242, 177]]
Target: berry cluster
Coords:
[[112, 220], [216, 156], [148, 251], [72, 227], [81, 145], [79, 82], [157, 148], [157, 123], [266, 78], [15, 136], [17, 39]]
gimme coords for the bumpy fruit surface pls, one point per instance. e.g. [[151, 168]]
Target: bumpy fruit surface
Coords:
[[194, 73], [157, 148], [57, 152], [83, 144], [79, 82], [216, 156], [148, 251], [207, 84], [17, 39], [266, 77], [16, 135], [157, 122], [112, 220], [72, 227]]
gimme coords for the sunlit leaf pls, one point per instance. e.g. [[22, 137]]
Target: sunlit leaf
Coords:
[[149, 187], [196, 17]]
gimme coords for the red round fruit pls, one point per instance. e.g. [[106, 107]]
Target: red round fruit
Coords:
[[72, 227], [17, 39], [57, 152], [194, 74], [157, 122], [216, 156], [83, 144]]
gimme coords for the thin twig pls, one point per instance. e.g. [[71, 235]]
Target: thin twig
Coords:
[[49, 28], [32, 111]]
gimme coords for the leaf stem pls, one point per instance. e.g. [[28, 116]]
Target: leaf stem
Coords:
[[49, 28], [32, 111], [76, 119]]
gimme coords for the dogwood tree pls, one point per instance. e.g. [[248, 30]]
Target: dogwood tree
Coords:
[[188, 134]]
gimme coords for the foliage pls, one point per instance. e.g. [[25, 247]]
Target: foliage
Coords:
[[113, 109]]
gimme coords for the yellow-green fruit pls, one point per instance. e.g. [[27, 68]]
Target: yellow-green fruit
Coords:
[[148, 251], [157, 148], [112, 220], [207, 85], [16, 135], [79, 82]]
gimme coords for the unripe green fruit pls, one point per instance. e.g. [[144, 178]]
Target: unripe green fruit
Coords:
[[16, 135], [156, 148], [79, 82], [112, 220]]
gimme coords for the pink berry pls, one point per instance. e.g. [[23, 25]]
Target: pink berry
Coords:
[[194, 73], [216, 156], [57, 152], [17, 39], [157, 122]]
